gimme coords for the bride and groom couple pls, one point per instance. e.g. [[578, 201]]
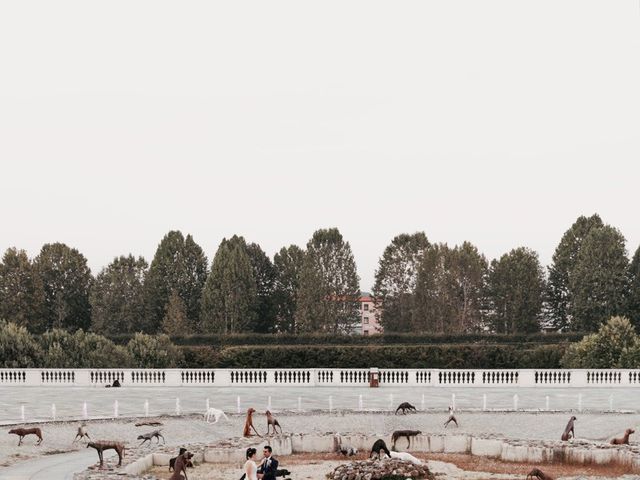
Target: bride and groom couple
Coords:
[[267, 468]]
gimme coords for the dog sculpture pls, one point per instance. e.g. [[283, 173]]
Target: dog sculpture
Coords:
[[625, 438], [379, 445], [248, 424], [23, 432], [407, 457], [215, 413], [452, 418], [180, 466], [102, 445], [538, 474], [172, 461], [404, 433], [147, 437], [404, 406], [272, 422], [82, 432], [569, 431]]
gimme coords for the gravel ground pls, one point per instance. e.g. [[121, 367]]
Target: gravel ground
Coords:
[[193, 430]]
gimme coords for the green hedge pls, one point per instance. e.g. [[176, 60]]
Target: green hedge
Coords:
[[385, 339], [402, 356]]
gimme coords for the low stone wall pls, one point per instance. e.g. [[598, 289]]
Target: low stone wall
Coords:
[[532, 452]]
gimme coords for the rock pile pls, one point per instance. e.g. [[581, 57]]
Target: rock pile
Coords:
[[380, 469]]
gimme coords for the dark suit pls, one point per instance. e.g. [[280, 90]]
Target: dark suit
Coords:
[[269, 468]]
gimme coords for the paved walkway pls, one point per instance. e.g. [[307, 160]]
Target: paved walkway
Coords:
[[51, 467]]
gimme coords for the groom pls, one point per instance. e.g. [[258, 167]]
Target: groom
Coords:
[[268, 466]]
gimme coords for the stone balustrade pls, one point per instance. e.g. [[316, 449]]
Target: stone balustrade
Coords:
[[318, 377]]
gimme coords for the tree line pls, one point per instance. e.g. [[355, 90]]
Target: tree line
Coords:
[[422, 286]]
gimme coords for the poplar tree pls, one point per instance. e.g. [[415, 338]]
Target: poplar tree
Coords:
[[22, 298], [117, 297], [515, 292], [598, 283], [633, 298], [329, 290], [179, 265], [395, 280], [230, 295], [287, 265], [565, 257], [66, 281], [264, 275]]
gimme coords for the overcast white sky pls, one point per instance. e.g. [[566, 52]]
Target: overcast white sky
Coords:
[[497, 122]]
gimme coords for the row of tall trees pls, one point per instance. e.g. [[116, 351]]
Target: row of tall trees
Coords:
[[423, 286], [437, 288], [242, 290]]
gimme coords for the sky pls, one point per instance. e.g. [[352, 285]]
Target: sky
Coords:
[[497, 122]]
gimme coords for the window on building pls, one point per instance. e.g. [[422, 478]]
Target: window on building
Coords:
[[365, 320], [366, 332], [366, 306]]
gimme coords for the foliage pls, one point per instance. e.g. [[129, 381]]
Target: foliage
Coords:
[[18, 349], [62, 349], [397, 356], [178, 265], [515, 292], [598, 281], [117, 296], [287, 265], [154, 351], [21, 291], [615, 345], [564, 260], [329, 290], [66, 280], [395, 280], [230, 296], [449, 289]]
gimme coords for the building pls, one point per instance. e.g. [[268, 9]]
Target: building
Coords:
[[370, 313]]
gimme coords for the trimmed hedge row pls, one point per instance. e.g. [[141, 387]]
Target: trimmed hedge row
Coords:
[[385, 339], [400, 356]]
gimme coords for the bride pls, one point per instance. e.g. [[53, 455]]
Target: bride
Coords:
[[250, 467]]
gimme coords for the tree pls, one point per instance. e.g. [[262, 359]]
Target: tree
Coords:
[[329, 290], [18, 349], [21, 291], [449, 289], [117, 297], [230, 296], [396, 278], [615, 345], [66, 280], [563, 262], [633, 296], [264, 276], [515, 291], [287, 265], [175, 321], [62, 349], [179, 265], [598, 281], [154, 351]]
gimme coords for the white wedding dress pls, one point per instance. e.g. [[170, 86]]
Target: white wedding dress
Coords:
[[251, 470]]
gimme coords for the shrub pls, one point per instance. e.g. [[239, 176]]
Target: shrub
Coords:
[[615, 345], [81, 350], [154, 351], [18, 349]]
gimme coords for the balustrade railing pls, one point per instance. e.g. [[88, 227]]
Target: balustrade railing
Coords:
[[331, 377]]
